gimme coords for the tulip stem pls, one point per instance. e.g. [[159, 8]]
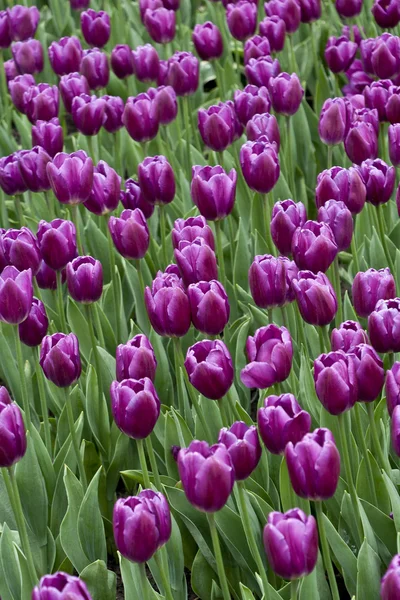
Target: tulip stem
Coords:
[[361, 440], [220, 253], [21, 370], [325, 551], [339, 314], [289, 162], [164, 576], [89, 317], [218, 557], [60, 302], [186, 119], [74, 439], [232, 402], [75, 220], [223, 412], [99, 328], [143, 581], [266, 204], [300, 329], [117, 301], [384, 461], [163, 234], [294, 587], [349, 476], [15, 501], [153, 463], [244, 513], [354, 250], [18, 209], [330, 157], [143, 464], [382, 227], [43, 405], [292, 57]]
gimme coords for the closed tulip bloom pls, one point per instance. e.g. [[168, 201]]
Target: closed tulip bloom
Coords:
[[292, 272], [165, 102], [79, 4], [146, 63], [384, 326], [340, 220], [95, 67], [72, 85], [348, 335], [168, 306], [241, 19], [28, 56], [209, 366], [10, 69], [260, 70], [57, 243], [34, 328], [17, 88], [142, 524], [196, 261], [333, 121], [371, 286], [209, 305], [96, 27], [361, 142], [310, 10], [122, 61], [140, 118], [270, 353], [315, 298], [41, 102], [113, 111], [46, 278], [135, 406], [314, 465], [386, 13], [5, 33], [394, 144], [217, 126], [20, 249], [16, 293], [71, 177], [267, 280], [32, 166], [390, 583], [105, 193], [160, 24], [288, 10], [379, 180], [392, 105], [207, 40], [376, 96], [392, 387], [260, 165], [156, 180], [85, 279], [136, 359], [60, 359], [256, 47], [88, 113], [395, 436], [213, 191], [130, 233], [286, 93], [49, 135], [11, 181], [65, 55], [274, 29], [133, 198], [385, 57], [12, 431], [190, 229], [341, 184], [369, 371], [339, 53], [243, 446], [281, 420], [348, 8], [61, 586], [23, 21], [335, 379], [367, 115], [314, 246], [183, 73], [291, 543], [264, 125], [286, 217], [207, 475]]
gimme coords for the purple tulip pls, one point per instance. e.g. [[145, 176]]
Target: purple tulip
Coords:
[[72, 85], [61, 586], [286, 93], [41, 102], [339, 53], [148, 5], [79, 4], [60, 359], [394, 144], [146, 63], [314, 246], [140, 118], [241, 19], [46, 278], [395, 436], [384, 326], [243, 446], [32, 166], [315, 297], [57, 243], [136, 359], [17, 88], [348, 8], [16, 293], [256, 47], [335, 379], [386, 13], [259, 71], [20, 249], [135, 406], [267, 280], [390, 583], [358, 78], [156, 180], [310, 10], [213, 191], [361, 142], [207, 40], [105, 193], [217, 126], [314, 465], [34, 328], [165, 102], [340, 220], [196, 261], [183, 73], [28, 56], [392, 387], [88, 113], [209, 368], [5, 33], [270, 353], [85, 279], [122, 61], [12, 431], [287, 10], [114, 109], [291, 543], [367, 115], [96, 27], [281, 420], [130, 234], [274, 29], [376, 96], [168, 306], [160, 24], [379, 180], [71, 177], [370, 287], [133, 198], [385, 56], [334, 121], [348, 335], [264, 125], [393, 105], [48, 135], [353, 32], [11, 181], [65, 55], [190, 229], [260, 165], [286, 217], [95, 67], [10, 68], [369, 371], [341, 184], [142, 524], [209, 305]]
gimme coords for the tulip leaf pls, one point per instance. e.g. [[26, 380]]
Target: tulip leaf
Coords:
[[202, 576], [101, 582], [26, 586], [97, 416], [90, 523], [8, 366], [343, 555], [246, 593], [10, 564], [394, 499], [69, 537], [363, 489], [382, 525], [378, 259], [242, 258], [79, 326], [368, 573], [309, 587], [289, 498]]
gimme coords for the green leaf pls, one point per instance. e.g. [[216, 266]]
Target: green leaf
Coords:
[[98, 417], [368, 573], [383, 526], [343, 555], [77, 322], [246, 593], [242, 257], [309, 587], [10, 564], [288, 496], [394, 499], [69, 537], [202, 576], [101, 582], [90, 523]]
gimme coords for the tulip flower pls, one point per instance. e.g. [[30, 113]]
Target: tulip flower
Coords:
[[314, 246], [267, 280], [165, 102], [17, 88], [261, 125], [286, 217], [71, 177], [160, 24], [41, 102], [386, 13], [251, 101], [23, 21], [390, 583], [315, 297], [60, 359], [335, 379], [61, 585], [340, 220], [339, 53], [96, 27], [255, 47], [85, 279], [133, 198], [287, 10], [135, 406], [209, 306], [196, 261], [333, 121], [217, 126], [341, 184], [348, 335], [376, 96], [383, 326], [95, 67], [114, 109], [281, 420], [190, 229], [130, 233], [207, 40], [16, 294], [348, 8], [274, 29], [361, 142], [168, 306], [65, 55], [243, 446], [20, 249], [156, 180], [183, 73], [213, 191], [57, 243], [5, 33], [140, 118], [49, 135], [122, 61], [28, 56], [136, 359], [72, 85], [371, 286], [34, 328], [392, 387], [105, 193], [369, 371], [241, 19], [12, 431], [209, 367], [260, 165], [379, 180], [286, 93]]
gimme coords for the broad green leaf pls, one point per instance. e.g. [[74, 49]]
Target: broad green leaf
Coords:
[[343, 555], [100, 581], [288, 496], [69, 537], [368, 573], [10, 564], [90, 524]]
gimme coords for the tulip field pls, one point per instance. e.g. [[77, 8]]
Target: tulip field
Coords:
[[200, 300]]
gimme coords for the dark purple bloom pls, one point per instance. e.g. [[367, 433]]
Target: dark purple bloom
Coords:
[[286, 217], [17, 88], [268, 282], [341, 184], [5, 33], [146, 63], [287, 10], [314, 246], [156, 180], [190, 229], [243, 446], [196, 261], [384, 326], [286, 93], [12, 431], [241, 19], [140, 118], [334, 121], [165, 102], [386, 13], [339, 53], [335, 379], [79, 5], [49, 135], [393, 105], [114, 109], [260, 165], [65, 55], [160, 24], [60, 359], [72, 85], [209, 305], [11, 181], [20, 249], [370, 287], [135, 406], [392, 387], [28, 56], [376, 96], [209, 367], [62, 586], [260, 70], [85, 279], [391, 579], [10, 68], [274, 29], [34, 328], [23, 21], [148, 5], [96, 27], [41, 102], [136, 359], [281, 420], [264, 125], [207, 40], [16, 294], [217, 126], [348, 8], [71, 177], [213, 191], [122, 61], [367, 115], [394, 144], [133, 198], [168, 305], [183, 73], [57, 243], [130, 233], [385, 56], [46, 278], [95, 67], [88, 113], [369, 371], [255, 47], [379, 180], [348, 335], [310, 10], [315, 297], [105, 193], [361, 142], [340, 220], [32, 166]]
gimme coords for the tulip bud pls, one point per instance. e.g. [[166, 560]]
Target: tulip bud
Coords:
[[274, 29], [213, 191], [348, 8], [72, 85], [60, 359], [61, 586], [142, 524], [105, 193], [270, 354], [41, 102], [49, 135], [85, 279], [259, 71], [392, 387], [207, 475], [20, 248], [136, 359], [71, 177], [168, 306], [209, 306], [10, 68], [140, 118], [390, 583], [386, 13], [209, 367], [264, 125], [65, 55], [315, 298], [46, 278], [12, 431], [32, 166], [379, 180], [17, 88], [384, 326], [160, 24], [286, 93], [243, 447], [286, 217], [369, 371], [95, 67], [333, 121], [183, 73], [291, 543], [23, 21], [281, 420], [348, 335], [217, 126], [135, 406], [122, 61], [251, 101], [114, 108], [314, 465], [376, 96], [34, 328], [335, 381], [130, 234], [207, 40], [164, 100], [79, 4], [57, 243], [287, 10], [310, 10], [339, 53], [88, 113], [340, 220], [156, 180], [314, 246], [5, 33], [361, 142], [260, 165], [341, 184], [16, 293], [371, 286], [196, 261], [241, 19], [163, 74], [96, 27], [146, 63], [11, 181], [394, 144], [133, 198], [256, 47], [190, 229], [385, 56], [28, 56], [267, 280], [367, 115]]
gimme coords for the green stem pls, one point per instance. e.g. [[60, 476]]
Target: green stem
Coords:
[[325, 333], [232, 403], [18, 209], [266, 204], [185, 103], [223, 412], [50, 205], [143, 464], [364, 449], [382, 235], [164, 573], [237, 58], [75, 444], [223, 583], [75, 220], [288, 149], [89, 317], [117, 300], [118, 153], [325, 551], [99, 329], [330, 157], [15, 501], [60, 302], [384, 461], [292, 58], [220, 252], [43, 405], [313, 35], [153, 463], [354, 250], [21, 371], [294, 587], [244, 513], [143, 581], [321, 340], [339, 314], [163, 234], [300, 329]]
